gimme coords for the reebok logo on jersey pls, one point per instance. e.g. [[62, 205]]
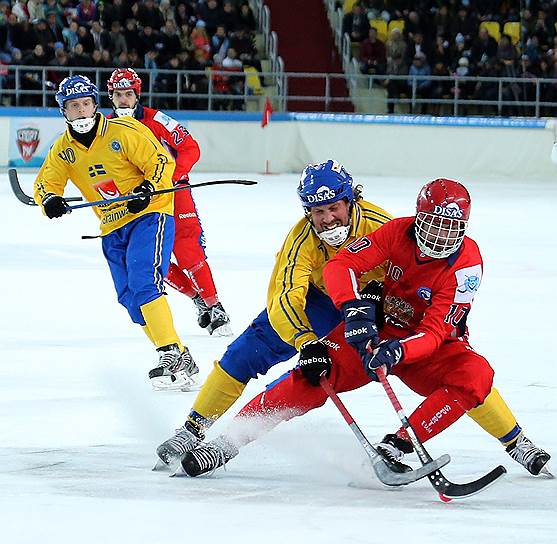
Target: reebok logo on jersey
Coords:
[[189, 215]]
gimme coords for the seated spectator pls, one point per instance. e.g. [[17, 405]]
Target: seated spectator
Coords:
[[149, 40], [506, 51], [117, 42], [231, 21], [36, 10], [54, 26], [396, 66], [231, 61], [101, 38], [86, 13], [373, 54], [420, 68], [441, 52], [118, 10], [44, 36], [211, 14], [32, 80], [356, 23], [148, 14], [134, 60], [24, 37], [464, 24], [132, 35], [246, 19], [484, 47], [71, 39], [186, 43], [19, 9], [220, 43], [184, 13], [78, 57], [86, 40], [440, 89], [417, 46], [170, 39], [200, 41]]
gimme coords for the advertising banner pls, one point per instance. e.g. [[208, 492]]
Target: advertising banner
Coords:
[[31, 138]]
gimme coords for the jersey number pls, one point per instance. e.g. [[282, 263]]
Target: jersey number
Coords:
[[179, 134]]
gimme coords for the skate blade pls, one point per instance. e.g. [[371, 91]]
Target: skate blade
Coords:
[[547, 473], [223, 330], [178, 471], [161, 466], [181, 382]]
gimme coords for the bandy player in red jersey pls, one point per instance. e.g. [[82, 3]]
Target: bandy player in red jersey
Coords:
[[433, 273], [192, 274]]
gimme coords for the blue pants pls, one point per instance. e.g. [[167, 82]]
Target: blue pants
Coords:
[[138, 255], [259, 347]]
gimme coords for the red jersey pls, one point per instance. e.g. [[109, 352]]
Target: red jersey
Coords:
[[425, 301], [173, 136]]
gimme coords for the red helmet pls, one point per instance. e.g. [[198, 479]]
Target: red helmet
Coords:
[[442, 212], [124, 78]]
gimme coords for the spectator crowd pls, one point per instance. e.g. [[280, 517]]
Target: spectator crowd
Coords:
[[457, 38], [155, 35]]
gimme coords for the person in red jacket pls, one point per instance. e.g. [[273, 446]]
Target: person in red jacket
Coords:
[[192, 274], [418, 332]]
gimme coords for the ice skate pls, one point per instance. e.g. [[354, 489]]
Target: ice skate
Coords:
[[532, 458], [176, 371], [171, 451], [220, 322], [392, 450], [206, 458], [203, 313]]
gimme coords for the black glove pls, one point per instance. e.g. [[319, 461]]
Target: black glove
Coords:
[[388, 353], [314, 361], [359, 324], [54, 205], [139, 204]]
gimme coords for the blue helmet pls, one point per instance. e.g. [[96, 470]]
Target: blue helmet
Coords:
[[325, 183], [76, 87]]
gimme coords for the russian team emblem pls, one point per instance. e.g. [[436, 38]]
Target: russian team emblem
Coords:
[[27, 139]]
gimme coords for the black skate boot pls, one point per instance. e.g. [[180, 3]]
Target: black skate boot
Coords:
[[220, 322], [186, 438], [532, 458], [392, 450], [203, 313], [208, 457], [176, 371]]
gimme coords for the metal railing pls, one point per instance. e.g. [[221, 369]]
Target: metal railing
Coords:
[[223, 90]]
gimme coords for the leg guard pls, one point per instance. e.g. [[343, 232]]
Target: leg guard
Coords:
[[180, 281], [496, 418], [158, 318], [219, 392]]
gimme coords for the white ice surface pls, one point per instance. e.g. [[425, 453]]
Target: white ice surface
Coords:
[[79, 422]]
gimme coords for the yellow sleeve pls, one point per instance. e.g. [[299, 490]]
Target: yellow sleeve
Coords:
[[147, 153], [52, 177], [286, 297]]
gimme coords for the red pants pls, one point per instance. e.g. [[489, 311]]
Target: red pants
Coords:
[[454, 379], [192, 275]]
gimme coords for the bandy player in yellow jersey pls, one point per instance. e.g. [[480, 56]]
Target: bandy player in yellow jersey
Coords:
[[104, 159]]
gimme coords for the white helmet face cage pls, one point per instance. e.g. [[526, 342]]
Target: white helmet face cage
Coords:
[[438, 237]]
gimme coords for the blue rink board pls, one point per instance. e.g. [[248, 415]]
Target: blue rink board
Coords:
[[243, 117]]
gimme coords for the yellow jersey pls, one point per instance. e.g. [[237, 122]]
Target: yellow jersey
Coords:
[[300, 263], [123, 154]]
